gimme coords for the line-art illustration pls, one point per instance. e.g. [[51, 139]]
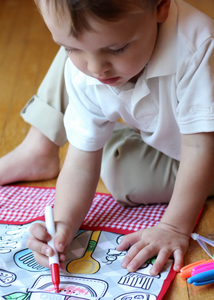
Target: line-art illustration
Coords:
[[136, 296], [25, 260], [72, 286], [93, 270], [137, 280], [10, 238], [6, 278], [86, 264], [112, 255]]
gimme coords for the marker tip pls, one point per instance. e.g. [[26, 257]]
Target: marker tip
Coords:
[[56, 289]]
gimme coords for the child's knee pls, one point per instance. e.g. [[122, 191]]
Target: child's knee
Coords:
[[136, 173]]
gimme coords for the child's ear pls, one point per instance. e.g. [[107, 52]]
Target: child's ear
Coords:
[[162, 10]]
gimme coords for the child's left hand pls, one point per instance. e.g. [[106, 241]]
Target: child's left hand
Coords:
[[161, 240]]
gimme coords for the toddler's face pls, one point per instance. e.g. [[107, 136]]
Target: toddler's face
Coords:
[[114, 52]]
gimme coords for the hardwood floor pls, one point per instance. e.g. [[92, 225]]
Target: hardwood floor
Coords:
[[26, 52]]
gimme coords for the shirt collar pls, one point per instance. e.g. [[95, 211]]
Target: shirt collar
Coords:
[[163, 59]]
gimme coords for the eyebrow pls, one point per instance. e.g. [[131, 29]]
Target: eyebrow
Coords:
[[110, 46]]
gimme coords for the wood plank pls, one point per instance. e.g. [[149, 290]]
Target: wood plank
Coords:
[[206, 6], [26, 51]]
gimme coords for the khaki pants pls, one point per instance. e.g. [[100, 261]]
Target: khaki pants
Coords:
[[133, 172], [45, 111]]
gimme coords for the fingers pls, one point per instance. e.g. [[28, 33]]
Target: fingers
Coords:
[[160, 261], [128, 240], [39, 246], [41, 259], [162, 258], [37, 242], [178, 257], [131, 261], [62, 238], [39, 237], [137, 255], [40, 232], [151, 242]]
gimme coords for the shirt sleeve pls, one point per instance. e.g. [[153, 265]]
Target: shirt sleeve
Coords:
[[195, 92], [86, 126]]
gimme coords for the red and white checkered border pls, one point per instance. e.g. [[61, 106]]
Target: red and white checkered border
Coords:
[[24, 204]]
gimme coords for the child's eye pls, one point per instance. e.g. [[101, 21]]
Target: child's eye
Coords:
[[70, 50], [119, 51]]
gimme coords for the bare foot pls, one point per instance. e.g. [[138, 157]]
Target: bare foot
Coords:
[[36, 158]]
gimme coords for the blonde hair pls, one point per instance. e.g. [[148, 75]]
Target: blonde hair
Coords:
[[107, 10]]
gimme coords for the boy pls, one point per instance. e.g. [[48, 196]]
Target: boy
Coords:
[[125, 53]]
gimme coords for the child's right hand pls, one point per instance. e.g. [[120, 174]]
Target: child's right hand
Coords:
[[39, 237]]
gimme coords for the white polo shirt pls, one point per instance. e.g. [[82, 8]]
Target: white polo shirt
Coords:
[[173, 96]]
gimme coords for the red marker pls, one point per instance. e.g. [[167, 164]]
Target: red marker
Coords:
[[53, 260]]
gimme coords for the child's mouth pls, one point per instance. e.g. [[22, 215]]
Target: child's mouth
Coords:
[[109, 80]]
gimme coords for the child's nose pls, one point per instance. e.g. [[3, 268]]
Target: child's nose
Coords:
[[98, 65]]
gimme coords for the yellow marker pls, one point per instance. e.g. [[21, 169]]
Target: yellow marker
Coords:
[[86, 264]]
